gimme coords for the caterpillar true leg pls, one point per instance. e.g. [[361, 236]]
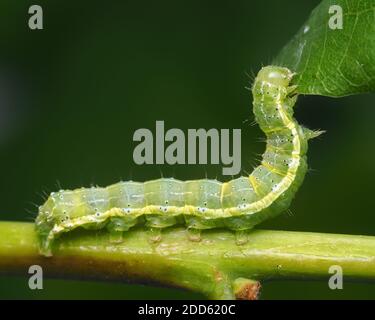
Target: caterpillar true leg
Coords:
[[194, 234], [155, 234], [239, 204], [241, 237]]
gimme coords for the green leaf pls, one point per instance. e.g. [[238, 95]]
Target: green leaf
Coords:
[[334, 62]]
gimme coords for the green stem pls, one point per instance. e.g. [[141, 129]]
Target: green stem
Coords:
[[216, 266]]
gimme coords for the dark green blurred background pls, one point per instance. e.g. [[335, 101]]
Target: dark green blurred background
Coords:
[[72, 95]]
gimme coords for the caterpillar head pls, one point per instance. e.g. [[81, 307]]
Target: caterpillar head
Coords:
[[277, 76]]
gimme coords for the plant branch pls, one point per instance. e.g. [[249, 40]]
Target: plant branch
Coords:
[[216, 266]]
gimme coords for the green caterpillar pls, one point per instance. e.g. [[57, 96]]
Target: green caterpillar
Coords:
[[239, 204]]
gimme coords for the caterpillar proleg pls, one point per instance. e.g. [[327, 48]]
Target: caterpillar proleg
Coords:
[[238, 205]]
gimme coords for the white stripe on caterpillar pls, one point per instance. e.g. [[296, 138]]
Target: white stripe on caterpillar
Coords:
[[238, 204]]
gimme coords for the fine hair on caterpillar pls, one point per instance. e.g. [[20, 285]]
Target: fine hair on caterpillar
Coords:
[[238, 204]]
